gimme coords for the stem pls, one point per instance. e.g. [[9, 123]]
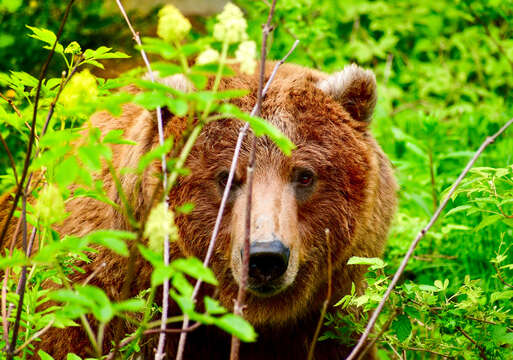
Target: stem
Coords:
[[33, 127], [241, 296], [326, 301], [11, 159], [226, 193], [421, 234]]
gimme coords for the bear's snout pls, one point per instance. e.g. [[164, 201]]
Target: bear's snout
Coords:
[[268, 261]]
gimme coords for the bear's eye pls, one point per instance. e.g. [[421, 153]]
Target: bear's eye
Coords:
[[303, 177], [222, 180]]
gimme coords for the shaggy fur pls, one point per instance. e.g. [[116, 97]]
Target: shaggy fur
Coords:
[[327, 117]]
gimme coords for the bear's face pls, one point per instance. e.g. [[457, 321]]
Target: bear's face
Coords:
[[316, 203]]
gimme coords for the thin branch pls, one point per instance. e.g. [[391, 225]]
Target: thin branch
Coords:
[[226, 193], [431, 352], [21, 285], [174, 331], [380, 334], [34, 337], [7, 313], [11, 159], [481, 349], [326, 301], [165, 288], [11, 103], [94, 273], [241, 296], [499, 276], [33, 127], [421, 234]]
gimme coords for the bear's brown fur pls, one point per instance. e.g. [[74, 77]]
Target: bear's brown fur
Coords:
[[352, 194]]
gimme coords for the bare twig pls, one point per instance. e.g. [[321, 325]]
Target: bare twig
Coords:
[[5, 312], [481, 349], [35, 336], [11, 159], [380, 334], [21, 284], [174, 331], [94, 273], [499, 276], [421, 234], [165, 288], [326, 301], [11, 103], [431, 352], [226, 193], [241, 296]]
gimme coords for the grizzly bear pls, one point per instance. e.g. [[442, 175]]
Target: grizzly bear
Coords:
[[337, 178]]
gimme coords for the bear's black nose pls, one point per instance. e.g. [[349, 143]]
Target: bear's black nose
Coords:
[[267, 261]]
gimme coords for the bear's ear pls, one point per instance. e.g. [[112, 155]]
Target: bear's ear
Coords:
[[355, 89]]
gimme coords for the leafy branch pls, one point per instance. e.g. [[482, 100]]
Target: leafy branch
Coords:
[[361, 342]]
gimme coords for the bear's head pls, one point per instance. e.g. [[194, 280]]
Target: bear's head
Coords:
[[333, 197]]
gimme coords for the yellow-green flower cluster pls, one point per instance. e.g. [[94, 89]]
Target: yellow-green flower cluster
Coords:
[[161, 222], [50, 207], [208, 56], [245, 55], [172, 26], [81, 87], [231, 26]]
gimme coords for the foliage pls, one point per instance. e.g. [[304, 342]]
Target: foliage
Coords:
[[61, 161], [444, 71]]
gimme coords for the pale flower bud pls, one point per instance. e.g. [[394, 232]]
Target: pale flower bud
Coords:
[[81, 86], [245, 55], [172, 26], [207, 57], [231, 25], [50, 207], [161, 222]]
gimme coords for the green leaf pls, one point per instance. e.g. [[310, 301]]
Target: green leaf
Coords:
[[154, 258], [487, 221], [129, 305], [375, 263], [116, 137], [194, 267], [211, 69], [402, 327], [154, 154], [237, 326], [199, 81], [501, 295], [213, 307], [102, 308], [260, 127], [177, 106], [166, 69], [112, 239], [459, 209], [181, 284], [160, 274], [47, 37], [186, 208], [44, 356], [113, 103], [66, 172], [72, 356], [103, 52]]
